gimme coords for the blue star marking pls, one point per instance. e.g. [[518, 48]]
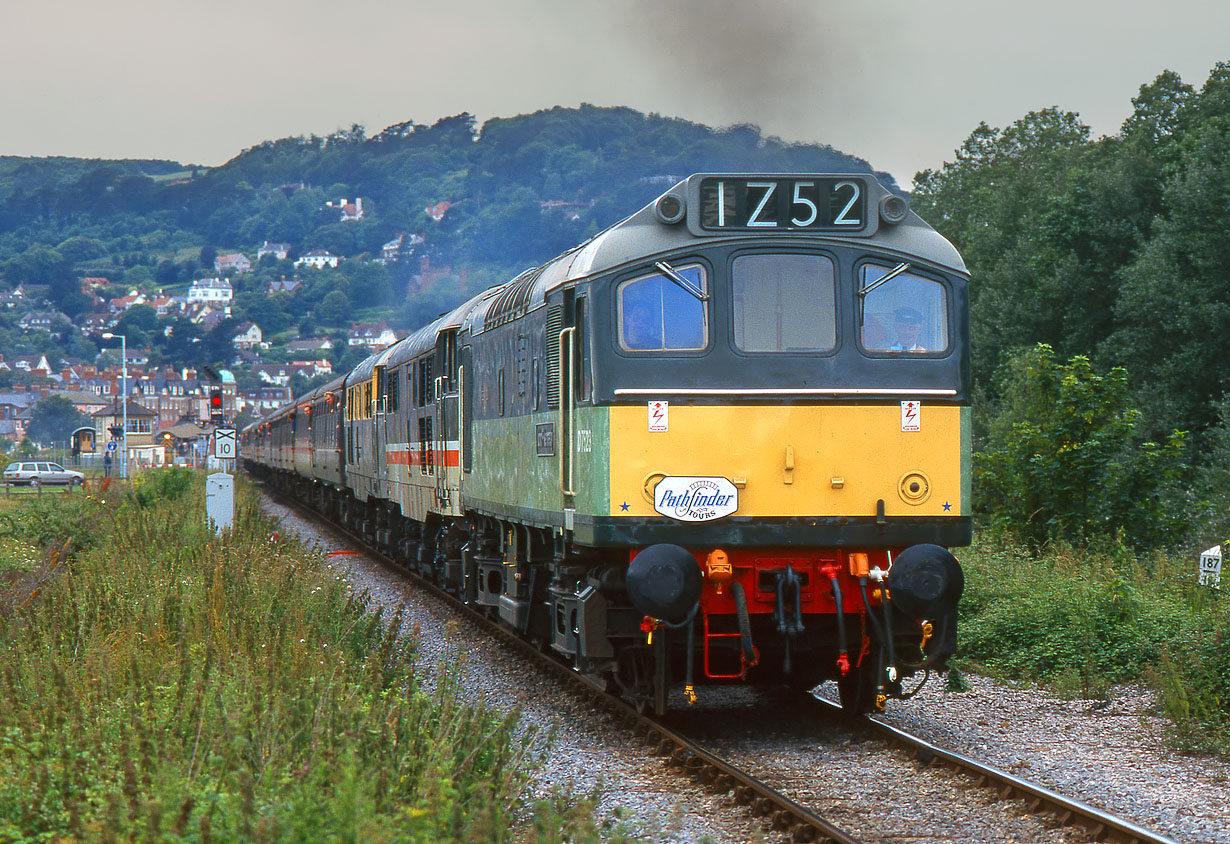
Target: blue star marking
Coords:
[[623, 506], [947, 506]]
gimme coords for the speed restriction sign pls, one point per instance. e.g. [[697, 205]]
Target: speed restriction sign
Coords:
[[224, 443]]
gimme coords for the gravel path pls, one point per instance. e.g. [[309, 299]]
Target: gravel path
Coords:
[[1112, 757]]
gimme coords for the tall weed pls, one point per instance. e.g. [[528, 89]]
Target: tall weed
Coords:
[[171, 682]]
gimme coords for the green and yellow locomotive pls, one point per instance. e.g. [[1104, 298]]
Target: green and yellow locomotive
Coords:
[[726, 440]]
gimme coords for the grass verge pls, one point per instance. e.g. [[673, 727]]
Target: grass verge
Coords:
[[164, 683], [1084, 620]]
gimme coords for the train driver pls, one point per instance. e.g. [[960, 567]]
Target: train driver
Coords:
[[642, 331], [909, 327]]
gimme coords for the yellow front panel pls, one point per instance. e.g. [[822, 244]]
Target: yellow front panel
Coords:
[[825, 460]]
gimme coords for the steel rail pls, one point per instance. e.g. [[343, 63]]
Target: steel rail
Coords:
[[791, 820], [1100, 825]]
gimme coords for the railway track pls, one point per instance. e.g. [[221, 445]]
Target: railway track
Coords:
[[780, 815], [1099, 825]]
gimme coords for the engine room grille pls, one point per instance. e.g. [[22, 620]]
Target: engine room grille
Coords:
[[555, 321]]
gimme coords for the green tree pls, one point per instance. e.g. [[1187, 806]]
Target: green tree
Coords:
[[80, 248], [991, 202], [53, 420], [334, 309], [37, 265], [1175, 301], [138, 324], [1064, 458]]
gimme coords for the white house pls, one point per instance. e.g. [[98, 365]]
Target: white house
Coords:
[[399, 247], [371, 334], [44, 320], [318, 259], [122, 303], [247, 337], [212, 290]]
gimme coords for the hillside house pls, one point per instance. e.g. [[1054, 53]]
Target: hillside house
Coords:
[[312, 368], [163, 304], [374, 335], [400, 247], [277, 250], [14, 298], [284, 286], [234, 262], [311, 344], [97, 323], [348, 211], [280, 374], [261, 401], [43, 321], [211, 290], [248, 336], [317, 259], [33, 364], [120, 304]]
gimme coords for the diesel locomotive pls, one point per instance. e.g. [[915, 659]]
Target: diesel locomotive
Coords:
[[726, 440]]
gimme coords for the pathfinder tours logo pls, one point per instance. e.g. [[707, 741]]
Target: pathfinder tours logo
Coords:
[[695, 499]]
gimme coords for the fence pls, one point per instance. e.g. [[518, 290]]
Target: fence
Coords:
[[27, 488]]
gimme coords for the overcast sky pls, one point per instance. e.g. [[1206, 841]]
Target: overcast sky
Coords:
[[900, 83]]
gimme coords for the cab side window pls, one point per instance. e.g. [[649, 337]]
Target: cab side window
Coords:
[[655, 314], [905, 314]]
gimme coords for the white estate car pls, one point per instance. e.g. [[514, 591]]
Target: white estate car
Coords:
[[39, 473]]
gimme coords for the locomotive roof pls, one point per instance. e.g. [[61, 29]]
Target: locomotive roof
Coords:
[[645, 233]]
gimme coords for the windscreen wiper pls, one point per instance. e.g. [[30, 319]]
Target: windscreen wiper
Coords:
[[675, 276], [891, 274]]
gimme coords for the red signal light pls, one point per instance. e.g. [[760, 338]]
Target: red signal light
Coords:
[[215, 405]]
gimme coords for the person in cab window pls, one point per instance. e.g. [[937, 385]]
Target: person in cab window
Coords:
[[909, 328], [641, 331]]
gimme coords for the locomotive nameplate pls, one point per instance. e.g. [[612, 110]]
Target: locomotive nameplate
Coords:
[[783, 204], [545, 436], [692, 499]]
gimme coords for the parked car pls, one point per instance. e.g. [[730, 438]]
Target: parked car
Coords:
[[38, 473]]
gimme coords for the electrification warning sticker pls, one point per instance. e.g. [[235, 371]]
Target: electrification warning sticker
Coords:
[[911, 416], [658, 417]]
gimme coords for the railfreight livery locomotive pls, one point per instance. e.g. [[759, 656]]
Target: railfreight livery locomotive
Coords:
[[726, 440]]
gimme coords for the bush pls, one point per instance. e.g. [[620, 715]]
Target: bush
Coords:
[[1193, 678], [169, 484], [37, 521], [1063, 459], [1083, 620]]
